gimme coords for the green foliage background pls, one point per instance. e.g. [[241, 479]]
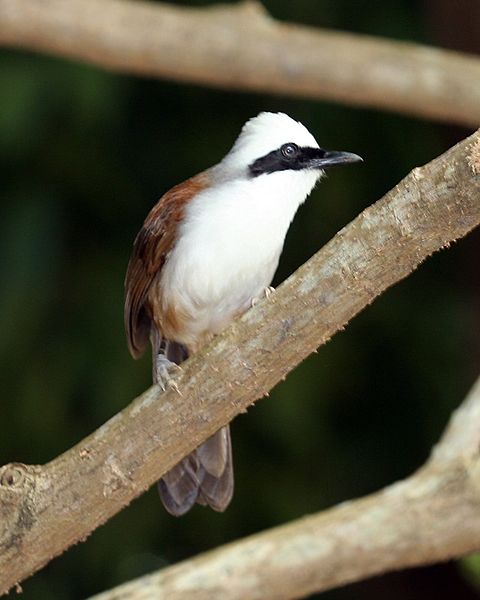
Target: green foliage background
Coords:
[[84, 154]]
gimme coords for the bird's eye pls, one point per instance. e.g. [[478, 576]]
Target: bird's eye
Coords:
[[289, 150]]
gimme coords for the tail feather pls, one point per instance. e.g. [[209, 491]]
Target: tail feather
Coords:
[[216, 490], [206, 475], [191, 481]]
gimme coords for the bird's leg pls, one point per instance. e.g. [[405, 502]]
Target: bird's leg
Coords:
[[267, 292], [164, 369]]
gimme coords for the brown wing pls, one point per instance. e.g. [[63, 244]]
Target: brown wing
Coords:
[[150, 250]]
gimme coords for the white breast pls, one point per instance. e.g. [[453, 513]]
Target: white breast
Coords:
[[228, 248]]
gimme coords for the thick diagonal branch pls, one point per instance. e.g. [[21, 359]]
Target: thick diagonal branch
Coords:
[[433, 515], [45, 509], [241, 47]]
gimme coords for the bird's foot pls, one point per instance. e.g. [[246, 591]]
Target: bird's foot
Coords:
[[164, 369], [267, 292]]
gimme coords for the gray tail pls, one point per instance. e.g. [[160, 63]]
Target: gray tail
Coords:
[[206, 475]]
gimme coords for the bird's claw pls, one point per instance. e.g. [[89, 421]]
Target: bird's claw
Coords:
[[164, 369], [267, 292]]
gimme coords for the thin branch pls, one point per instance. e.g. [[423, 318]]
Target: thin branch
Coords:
[[45, 509], [241, 47], [432, 516]]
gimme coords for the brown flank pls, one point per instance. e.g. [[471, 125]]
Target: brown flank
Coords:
[[150, 251]]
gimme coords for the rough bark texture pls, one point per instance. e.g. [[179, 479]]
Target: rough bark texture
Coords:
[[45, 509], [433, 515], [241, 47]]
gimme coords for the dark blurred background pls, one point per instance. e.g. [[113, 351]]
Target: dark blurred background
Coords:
[[84, 154]]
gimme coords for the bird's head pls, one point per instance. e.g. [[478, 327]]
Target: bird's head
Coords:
[[274, 142]]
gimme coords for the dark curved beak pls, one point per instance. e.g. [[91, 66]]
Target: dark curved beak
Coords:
[[331, 158]]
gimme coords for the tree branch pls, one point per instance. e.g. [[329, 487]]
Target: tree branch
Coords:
[[45, 509], [241, 47], [433, 515]]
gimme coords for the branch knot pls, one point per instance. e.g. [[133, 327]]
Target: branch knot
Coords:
[[13, 475]]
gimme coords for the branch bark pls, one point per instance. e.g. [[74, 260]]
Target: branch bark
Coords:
[[241, 47], [433, 515], [45, 509]]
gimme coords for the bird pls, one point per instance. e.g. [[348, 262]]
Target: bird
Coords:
[[207, 251]]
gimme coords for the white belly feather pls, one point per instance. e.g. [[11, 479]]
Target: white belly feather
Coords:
[[228, 250]]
